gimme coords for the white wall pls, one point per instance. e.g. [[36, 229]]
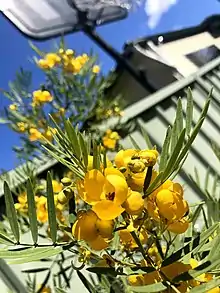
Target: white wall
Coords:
[[175, 51]]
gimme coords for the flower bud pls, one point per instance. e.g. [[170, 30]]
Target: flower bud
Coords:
[[136, 166], [66, 181]]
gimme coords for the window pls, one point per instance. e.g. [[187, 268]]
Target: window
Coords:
[[201, 57]]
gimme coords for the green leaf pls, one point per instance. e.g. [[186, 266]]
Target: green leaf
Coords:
[[179, 116], [11, 212], [86, 283], [12, 254], [165, 150], [206, 287], [196, 176], [84, 150], [4, 239], [214, 186], [174, 156], [215, 248], [32, 211], [38, 51], [189, 111], [51, 209], [158, 287], [36, 256], [196, 213], [216, 149], [189, 142], [72, 135], [174, 137], [192, 247], [154, 185], [207, 177], [145, 135], [36, 270], [4, 121], [96, 156], [134, 143]]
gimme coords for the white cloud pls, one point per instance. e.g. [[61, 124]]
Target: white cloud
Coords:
[[155, 9]]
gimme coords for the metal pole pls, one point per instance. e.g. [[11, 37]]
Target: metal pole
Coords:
[[88, 28], [137, 75]]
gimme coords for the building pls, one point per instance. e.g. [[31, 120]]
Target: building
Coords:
[[167, 57]]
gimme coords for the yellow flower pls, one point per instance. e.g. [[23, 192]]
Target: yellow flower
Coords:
[[61, 51], [57, 186], [128, 241], [43, 64], [76, 66], [110, 139], [149, 157], [109, 143], [69, 52], [136, 180], [123, 157], [179, 226], [134, 204], [62, 111], [34, 134], [136, 280], [170, 204], [106, 193], [40, 97], [96, 69], [94, 231], [52, 59], [41, 208], [135, 160], [13, 107], [85, 255], [22, 205], [167, 203]]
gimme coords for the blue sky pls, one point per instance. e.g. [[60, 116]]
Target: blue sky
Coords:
[[15, 51]]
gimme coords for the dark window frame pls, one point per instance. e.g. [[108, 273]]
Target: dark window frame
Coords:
[[204, 56]]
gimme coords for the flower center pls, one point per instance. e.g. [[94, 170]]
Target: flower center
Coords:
[[110, 196]]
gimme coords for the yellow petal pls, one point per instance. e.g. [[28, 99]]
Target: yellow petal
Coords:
[[113, 171], [107, 210], [98, 244], [105, 228], [179, 227], [120, 188], [85, 226], [134, 204], [93, 184], [123, 157]]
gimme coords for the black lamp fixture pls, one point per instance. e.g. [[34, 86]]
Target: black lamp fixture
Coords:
[[45, 19]]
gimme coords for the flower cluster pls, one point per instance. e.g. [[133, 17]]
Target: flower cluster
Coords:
[[67, 60], [115, 196], [41, 202], [110, 139]]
